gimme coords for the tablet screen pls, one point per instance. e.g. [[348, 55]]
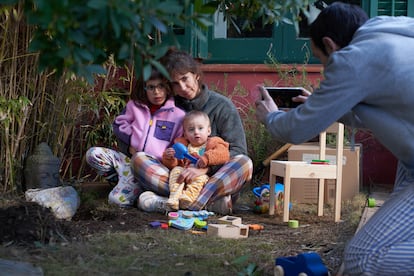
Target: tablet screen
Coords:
[[282, 96]]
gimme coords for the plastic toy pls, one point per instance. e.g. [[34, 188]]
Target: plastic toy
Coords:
[[155, 224], [200, 223], [256, 227], [182, 223], [187, 219], [173, 215], [308, 264], [265, 188], [181, 152], [262, 202]]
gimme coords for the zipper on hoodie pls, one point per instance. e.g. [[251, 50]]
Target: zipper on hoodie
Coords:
[[151, 122]]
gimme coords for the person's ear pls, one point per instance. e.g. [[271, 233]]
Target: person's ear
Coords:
[[209, 130], [330, 45]]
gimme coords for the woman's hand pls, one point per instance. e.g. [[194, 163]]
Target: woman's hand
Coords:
[[189, 174]]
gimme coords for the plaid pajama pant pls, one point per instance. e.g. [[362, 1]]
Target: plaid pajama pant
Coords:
[[385, 244], [105, 161], [228, 180]]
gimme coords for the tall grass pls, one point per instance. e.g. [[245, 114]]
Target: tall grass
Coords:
[[40, 107]]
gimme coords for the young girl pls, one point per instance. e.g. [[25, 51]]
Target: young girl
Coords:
[[149, 124]]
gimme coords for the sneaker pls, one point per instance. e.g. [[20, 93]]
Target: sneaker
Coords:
[[151, 202], [222, 206]]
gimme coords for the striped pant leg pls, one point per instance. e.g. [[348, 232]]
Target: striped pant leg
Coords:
[[385, 245], [150, 173], [105, 160], [228, 180]]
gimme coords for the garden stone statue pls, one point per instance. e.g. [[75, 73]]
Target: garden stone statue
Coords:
[[42, 168]]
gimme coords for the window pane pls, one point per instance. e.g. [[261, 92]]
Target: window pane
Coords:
[[258, 31]]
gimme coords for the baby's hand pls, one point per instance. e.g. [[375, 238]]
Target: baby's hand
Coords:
[[201, 164]]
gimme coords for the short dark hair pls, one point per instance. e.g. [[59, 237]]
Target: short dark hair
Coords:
[[339, 21], [181, 62]]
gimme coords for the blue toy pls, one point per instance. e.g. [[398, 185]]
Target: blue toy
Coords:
[[263, 196], [182, 223], [181, 152], [257, 191], [308, 263], [187, 219]]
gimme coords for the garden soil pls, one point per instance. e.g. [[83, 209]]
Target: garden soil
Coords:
[[24, 223]]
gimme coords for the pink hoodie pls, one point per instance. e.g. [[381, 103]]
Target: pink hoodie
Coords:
[[149, 133]]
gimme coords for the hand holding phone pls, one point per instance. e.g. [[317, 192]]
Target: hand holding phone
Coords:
[[282, 96]]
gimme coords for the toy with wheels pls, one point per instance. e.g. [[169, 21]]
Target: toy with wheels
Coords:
[[181, 152], [305, 264]]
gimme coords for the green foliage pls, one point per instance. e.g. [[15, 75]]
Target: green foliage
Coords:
[[106, 105], [73, 40], [78, 37], [295, 76]]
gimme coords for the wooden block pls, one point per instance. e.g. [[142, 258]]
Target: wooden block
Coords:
[[228, 231], [231, 220]]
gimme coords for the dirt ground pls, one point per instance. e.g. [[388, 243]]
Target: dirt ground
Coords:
[[23, 223]]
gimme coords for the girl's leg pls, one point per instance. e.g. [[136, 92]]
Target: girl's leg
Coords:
[[106, 160], [385, 245], [150, 173], [228, 180], [102, 160]]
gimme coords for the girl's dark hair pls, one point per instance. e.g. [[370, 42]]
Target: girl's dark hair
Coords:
[[339, 21], [180, 62], [139, 94]]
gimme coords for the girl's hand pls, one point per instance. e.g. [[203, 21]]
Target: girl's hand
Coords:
[[131, 150], [170, 153]]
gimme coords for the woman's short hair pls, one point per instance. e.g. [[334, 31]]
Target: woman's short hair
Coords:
[[180, 62]]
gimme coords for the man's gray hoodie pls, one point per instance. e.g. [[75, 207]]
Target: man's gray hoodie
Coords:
[[369, 83]]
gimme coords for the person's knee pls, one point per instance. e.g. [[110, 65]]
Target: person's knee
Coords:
[[90, 153], [355, 259]]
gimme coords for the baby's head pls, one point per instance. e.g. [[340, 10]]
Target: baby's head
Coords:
[[196, 127]]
